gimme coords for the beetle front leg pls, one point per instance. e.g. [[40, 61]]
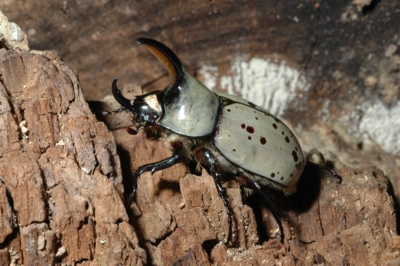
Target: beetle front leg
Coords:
[[154, 167], [221, 191]]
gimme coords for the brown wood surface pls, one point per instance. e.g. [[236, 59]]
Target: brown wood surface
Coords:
[[62, 193], [347, 50], [64, 181], [60, 182]]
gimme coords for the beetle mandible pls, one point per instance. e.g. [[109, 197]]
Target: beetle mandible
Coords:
[[229, 136]]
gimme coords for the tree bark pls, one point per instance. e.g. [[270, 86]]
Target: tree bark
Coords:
[[61, 184], [63, 196], [64, 176]]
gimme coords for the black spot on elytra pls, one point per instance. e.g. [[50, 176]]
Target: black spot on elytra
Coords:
[[273, 175], [234, 150], [263, 140], [295, 157], [243, 125], [250, 129], [256, 118], [274, 125], [283, 133], [287, 139], [249, 137], [228, 110], [281, 177]]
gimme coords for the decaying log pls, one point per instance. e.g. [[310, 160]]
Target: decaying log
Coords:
[[63, 186], [60, 179], [62, 193]]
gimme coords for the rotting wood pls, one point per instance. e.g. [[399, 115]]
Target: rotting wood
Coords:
[[60, 179], [62, 193]]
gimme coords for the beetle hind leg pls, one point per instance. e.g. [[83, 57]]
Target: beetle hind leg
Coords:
[[329, 170], [153, 167]]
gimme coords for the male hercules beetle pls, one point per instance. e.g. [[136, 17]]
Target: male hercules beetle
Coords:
[[228, 136]]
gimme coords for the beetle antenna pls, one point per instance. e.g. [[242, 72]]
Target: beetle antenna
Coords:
[[119, 110]]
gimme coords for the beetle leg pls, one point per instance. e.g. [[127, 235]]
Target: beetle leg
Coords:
[[221, 191], [153, 167], [247, 182], [331, 171]]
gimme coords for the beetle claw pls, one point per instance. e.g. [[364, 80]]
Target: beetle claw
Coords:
[[336, 175], [331, 171]]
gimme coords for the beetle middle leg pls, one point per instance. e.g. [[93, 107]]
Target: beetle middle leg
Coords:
[[213, 168], [154, 167], [247, 182]]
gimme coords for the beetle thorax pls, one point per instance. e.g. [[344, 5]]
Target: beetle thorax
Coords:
[[190, 108]]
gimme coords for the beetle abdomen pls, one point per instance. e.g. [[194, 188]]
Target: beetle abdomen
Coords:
[[259, 143]]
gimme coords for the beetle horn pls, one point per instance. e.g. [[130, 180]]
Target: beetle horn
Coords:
[[118, 96], [166, 57]]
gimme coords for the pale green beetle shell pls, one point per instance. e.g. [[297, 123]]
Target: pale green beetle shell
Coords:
[[256, 141], [193, 112]]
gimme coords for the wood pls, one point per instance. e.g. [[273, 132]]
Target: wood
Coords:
[[62, 193], [61, 184], [64, 176], [346, 51]]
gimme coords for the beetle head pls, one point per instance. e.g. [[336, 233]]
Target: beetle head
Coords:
[[185, 106], [146, 108]]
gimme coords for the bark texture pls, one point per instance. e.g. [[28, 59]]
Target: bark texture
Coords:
[[60, 178], [330, 68], [62, 193]]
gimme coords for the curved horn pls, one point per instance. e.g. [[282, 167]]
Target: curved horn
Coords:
[[118, 96], [166, 57]]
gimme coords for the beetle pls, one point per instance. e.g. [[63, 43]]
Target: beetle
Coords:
[[230, 137]]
